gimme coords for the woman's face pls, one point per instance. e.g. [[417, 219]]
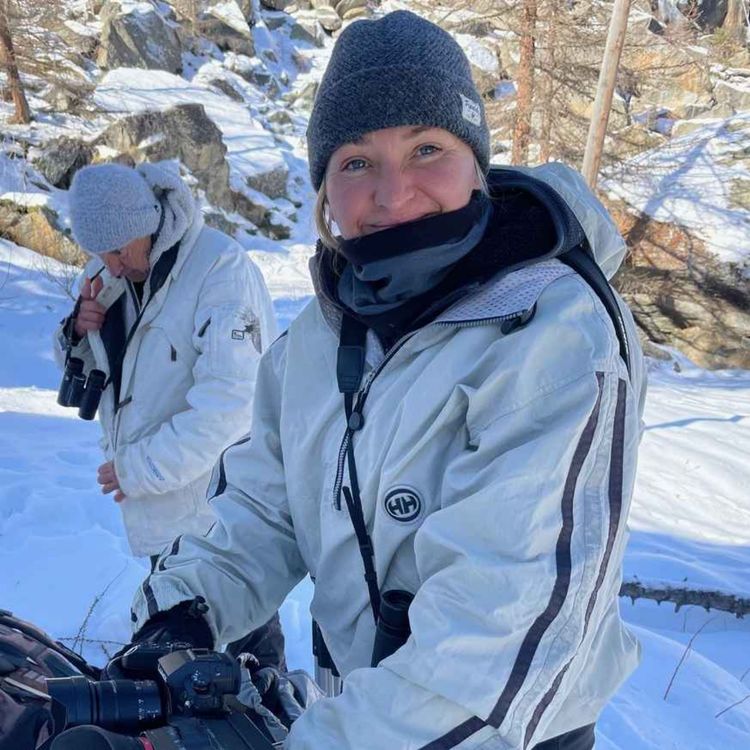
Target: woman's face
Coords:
[[396, 175]]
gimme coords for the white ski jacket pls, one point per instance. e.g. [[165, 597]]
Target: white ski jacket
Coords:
[[188, 381], [496, 471]]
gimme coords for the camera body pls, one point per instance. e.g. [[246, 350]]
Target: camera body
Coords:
[[197, 680], [189, 706]]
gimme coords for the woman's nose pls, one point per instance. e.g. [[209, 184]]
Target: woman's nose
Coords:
[[393, 188]]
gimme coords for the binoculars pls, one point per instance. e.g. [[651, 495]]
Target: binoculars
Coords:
[[78, 391]]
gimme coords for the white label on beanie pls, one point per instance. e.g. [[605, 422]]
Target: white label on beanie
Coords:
[[470, 111]]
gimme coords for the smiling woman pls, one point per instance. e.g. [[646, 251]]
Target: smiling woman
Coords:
[[397, 175], [430, 170], [445, 439]]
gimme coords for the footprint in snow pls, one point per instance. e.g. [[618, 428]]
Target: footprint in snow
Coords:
[[74, 457]]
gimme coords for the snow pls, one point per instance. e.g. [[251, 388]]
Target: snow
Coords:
[[480, 55], [689, 181], [230, 13], [134, 6], [29, 200]]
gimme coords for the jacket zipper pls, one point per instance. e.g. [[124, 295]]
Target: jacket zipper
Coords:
[[365, 390]]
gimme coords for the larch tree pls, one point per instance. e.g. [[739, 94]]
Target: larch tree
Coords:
[[9, 63]]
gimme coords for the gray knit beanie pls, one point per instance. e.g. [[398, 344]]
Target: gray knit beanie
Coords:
[[111, 205], [398, 70]]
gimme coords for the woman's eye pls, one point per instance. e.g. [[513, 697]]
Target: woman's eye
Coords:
[[354, 165], [427, 149]]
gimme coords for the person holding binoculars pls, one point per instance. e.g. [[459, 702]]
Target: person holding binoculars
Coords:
[[164, 340], [445, 439]]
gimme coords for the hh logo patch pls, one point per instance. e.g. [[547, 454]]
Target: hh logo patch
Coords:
[[471, 111], [403, 504]]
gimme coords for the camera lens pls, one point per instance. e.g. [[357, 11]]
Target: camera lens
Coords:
[[112, 704], [73, 367], [92, 395], [94, 738]]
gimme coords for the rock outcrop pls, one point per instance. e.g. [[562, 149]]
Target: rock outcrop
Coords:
[[138, 37], [61, 159], [37, 228], [681, 295], [225, 23], [186, 133]]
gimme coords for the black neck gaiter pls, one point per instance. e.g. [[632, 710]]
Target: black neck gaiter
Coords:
[[518, 226], [388, 268]]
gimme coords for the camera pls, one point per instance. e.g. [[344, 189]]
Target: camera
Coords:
[[79, 391], [191, 706]]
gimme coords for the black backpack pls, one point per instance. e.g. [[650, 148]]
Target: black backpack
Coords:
[[28, 656]]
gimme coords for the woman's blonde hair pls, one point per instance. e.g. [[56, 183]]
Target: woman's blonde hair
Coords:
[[323, 222]]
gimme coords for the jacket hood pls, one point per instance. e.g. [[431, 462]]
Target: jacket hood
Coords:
[[577, 212], [177, 203]]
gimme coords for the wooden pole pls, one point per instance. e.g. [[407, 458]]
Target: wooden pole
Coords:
[[605, 91]]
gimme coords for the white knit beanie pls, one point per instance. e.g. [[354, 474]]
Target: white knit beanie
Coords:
[[111, 205]]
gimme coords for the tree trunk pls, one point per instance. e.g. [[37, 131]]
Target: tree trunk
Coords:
[[525, 97], [735, 20], [8, 61], [548, 87]]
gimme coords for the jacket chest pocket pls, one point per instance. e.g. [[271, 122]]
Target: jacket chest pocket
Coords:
[[162, 376]]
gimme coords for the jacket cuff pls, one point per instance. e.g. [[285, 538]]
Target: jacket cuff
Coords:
[[128, 477], [183, 622]]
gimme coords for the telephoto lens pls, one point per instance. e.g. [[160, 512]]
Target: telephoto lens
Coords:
[[92, 394], [123, 705], [95, 738], [73, 368]]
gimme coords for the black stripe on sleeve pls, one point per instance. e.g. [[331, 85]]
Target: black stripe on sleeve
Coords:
[[540, 626], [221, 485], [616, 463], [148, 592], [173, 551]]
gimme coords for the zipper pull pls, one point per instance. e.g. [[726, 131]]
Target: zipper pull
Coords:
[[517, 322]]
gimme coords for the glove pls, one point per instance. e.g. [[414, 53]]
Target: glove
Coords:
[[271, 698], [183, 626], [277, 694]]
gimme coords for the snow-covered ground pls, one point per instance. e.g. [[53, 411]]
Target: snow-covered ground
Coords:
[[65, 565]]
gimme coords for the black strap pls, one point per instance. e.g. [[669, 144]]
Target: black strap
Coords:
[[113, 335], [350, 360], [321, 652], [157, 277], [350, 367], [582, 263]]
